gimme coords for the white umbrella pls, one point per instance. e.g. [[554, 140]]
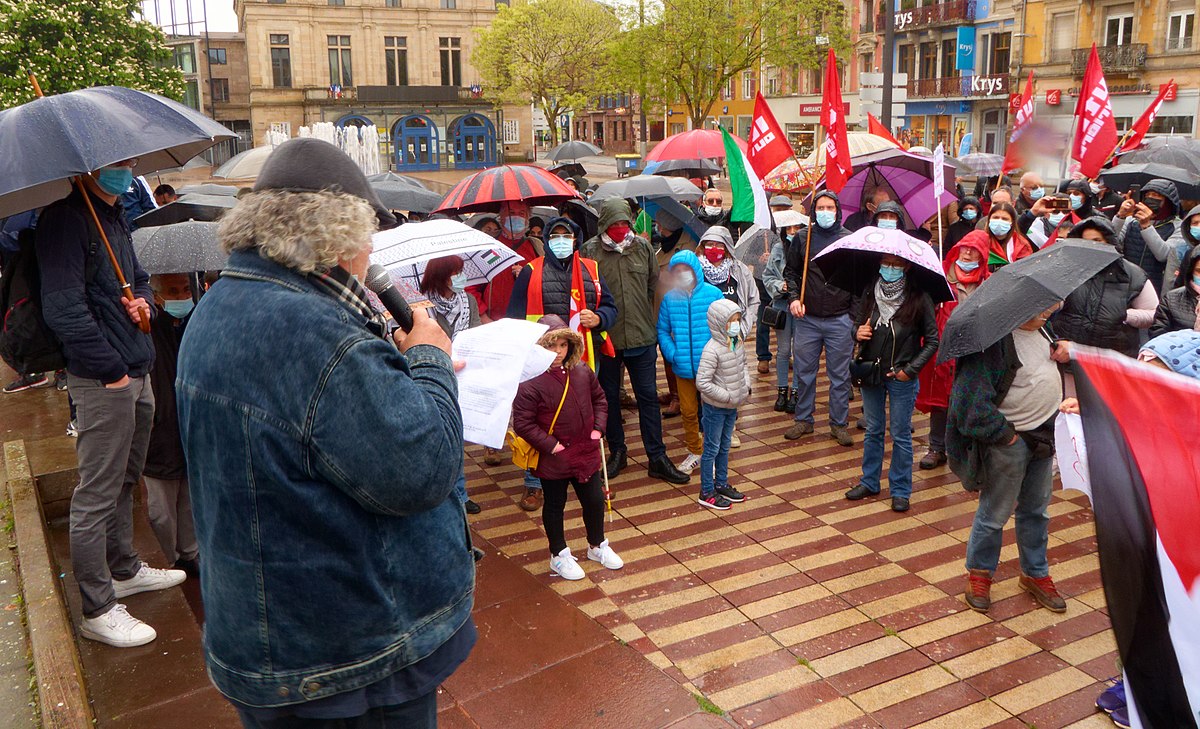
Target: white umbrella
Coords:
[[860, 143], [405, 250], [244, 165]]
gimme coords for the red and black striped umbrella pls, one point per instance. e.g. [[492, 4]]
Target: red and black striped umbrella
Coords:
[[487, 190]]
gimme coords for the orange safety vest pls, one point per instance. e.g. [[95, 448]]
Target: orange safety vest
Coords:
[[534, 308]]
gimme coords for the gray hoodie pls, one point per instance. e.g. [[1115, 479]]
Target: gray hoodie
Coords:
[[722, 378]]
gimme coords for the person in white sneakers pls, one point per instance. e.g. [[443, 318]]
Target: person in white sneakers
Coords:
[[562, 413], [115, 626]]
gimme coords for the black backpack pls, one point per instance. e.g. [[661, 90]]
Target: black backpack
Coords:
[[27, 344]]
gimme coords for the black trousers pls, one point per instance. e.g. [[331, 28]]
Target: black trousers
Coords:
[[643, 376], [591, 497]]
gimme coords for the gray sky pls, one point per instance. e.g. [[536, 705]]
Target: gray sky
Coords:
[[220, 14]]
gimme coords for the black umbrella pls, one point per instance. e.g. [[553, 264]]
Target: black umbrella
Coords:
[[50, 140], [187, 207], [179, 248], [393, 177], [1183, 152], [685, 168], [1020, 291], [1119, 178], [210, 188], [568, 169], [573, 150], [404, 196]]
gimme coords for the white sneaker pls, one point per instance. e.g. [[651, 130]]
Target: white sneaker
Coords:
[[117, 628], [605, 555], [689, 464], [148, 578], [735, 441], [566, 566]]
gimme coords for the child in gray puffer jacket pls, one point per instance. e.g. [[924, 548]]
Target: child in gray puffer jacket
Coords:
[[723, 381]]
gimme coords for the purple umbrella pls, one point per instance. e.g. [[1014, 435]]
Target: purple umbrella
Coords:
[[853, 262], [909, 177]]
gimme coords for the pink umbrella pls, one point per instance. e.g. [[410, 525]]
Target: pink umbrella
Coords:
[[853, 262], [695, 144]]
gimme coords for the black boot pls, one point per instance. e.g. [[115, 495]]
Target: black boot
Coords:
[[662, 468], [616, 462], [791, 403], [782, 400]]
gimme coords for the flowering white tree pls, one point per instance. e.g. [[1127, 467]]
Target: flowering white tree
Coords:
[[76, 44]]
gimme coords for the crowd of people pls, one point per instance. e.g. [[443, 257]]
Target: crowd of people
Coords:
[[278, 461]]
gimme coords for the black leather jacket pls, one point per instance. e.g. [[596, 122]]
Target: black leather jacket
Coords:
[[899, 346]]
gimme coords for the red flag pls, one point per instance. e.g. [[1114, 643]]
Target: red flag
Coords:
[[768, 144], [1012, 155], [838, 167], [879, 130], [1096, 133], [1142, 125]]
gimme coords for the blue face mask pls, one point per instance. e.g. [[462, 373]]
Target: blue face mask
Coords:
[[1057, 218], [826, 218], [887, 224], [968, 266], [1195, 232], [891, 274], [1036, 193], [1195, 280], [1076, 202], [114, 180], [734, 330], [178, 308], [515, 226], [999, 228], [969, 214], [561, 246], [458, 283]]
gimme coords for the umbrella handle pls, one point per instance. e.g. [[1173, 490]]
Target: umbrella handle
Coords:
[[126, 289], [807, 256]]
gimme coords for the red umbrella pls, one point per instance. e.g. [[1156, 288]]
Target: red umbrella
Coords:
[[487, 190], [696, 144]]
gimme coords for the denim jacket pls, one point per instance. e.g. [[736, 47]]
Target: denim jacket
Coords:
[[321, 462]]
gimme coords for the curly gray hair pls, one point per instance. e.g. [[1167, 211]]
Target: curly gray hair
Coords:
[[304, 231]]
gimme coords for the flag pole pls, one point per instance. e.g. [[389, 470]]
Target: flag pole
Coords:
[[812, 220], [77, 182]]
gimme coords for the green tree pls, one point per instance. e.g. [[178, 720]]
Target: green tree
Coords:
[[76, 44], [690, 49], [553, 52]]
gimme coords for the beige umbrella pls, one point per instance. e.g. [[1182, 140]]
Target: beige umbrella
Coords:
[[860, 143], [244, 165]]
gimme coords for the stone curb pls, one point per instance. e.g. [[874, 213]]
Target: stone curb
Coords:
[[62, 694]]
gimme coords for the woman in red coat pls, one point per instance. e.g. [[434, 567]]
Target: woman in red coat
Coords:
[[966, 267], [562, 413]]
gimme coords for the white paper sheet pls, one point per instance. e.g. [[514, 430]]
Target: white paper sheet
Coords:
[[1072, 453], [499, 356]]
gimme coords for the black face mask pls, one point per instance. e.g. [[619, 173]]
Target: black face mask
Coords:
[[1153, 203]]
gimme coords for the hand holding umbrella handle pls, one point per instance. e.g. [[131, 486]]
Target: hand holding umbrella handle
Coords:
[[126, 289]]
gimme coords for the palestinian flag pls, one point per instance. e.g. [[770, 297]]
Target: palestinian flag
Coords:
[[749, 197], [1144, 462]]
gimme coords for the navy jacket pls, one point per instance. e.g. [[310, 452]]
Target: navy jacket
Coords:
[[81, 299]]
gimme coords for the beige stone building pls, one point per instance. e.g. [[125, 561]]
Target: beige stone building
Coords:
[[403, 66], [224, 76]]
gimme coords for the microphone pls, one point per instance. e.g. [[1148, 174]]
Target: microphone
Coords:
[[380, 282]]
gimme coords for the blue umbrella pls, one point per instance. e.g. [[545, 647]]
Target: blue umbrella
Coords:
[[50, 140]]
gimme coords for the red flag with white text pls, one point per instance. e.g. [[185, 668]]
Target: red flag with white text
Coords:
[[838, 167], [1096, 130], [769, 147], [1142, 125], [1012, 154]]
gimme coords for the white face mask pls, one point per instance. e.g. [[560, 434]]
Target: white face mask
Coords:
[[713, 210]]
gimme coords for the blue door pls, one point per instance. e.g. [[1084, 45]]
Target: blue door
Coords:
[[416, 143], [474, 142], [354, 120]]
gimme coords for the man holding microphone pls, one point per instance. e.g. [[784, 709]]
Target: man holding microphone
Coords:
[[338, 577]]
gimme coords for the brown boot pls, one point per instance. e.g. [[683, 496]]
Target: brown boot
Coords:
[[532, 500], [492, 457], [764, 366], [979, 590], [671, 410], [1043, 590], [799, 429]]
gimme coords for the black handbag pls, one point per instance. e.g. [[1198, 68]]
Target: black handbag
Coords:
[[866, 372], [774, 317]]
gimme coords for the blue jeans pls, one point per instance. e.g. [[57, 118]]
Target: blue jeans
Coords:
[[420, 713], [531, 481], [718, 435], [1014, 480], [460, 488], [902, 398], [783, 357], [809, 335]]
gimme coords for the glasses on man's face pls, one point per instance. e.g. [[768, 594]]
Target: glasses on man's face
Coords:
[[714, 201]]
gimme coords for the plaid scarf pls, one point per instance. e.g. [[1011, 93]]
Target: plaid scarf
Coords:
[[340, 284]]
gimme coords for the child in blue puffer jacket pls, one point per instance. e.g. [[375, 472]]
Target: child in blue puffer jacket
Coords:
[[682, 333]]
